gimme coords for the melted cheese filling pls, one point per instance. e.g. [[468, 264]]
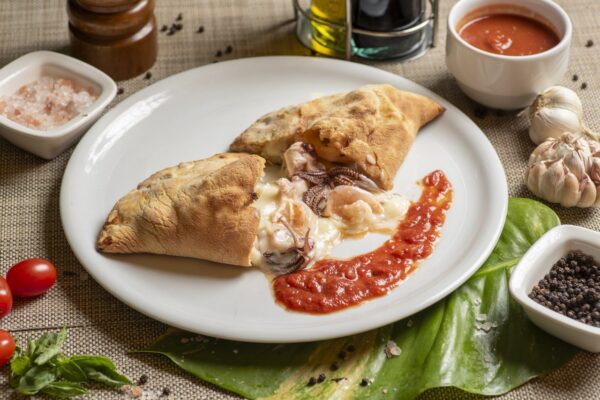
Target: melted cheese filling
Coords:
[[347, 219]]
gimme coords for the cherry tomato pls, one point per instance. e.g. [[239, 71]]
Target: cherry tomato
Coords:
[[31, 277], [7, 347], [6, 300]]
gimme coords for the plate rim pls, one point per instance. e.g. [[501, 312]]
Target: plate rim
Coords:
[[292, 336]]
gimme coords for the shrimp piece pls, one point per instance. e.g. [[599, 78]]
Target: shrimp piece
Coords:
[[355, 207], [293, 189]]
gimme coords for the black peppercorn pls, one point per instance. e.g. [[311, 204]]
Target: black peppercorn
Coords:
[[572, 288]]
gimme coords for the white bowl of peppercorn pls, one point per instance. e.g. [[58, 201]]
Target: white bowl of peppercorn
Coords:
[[558, 284]]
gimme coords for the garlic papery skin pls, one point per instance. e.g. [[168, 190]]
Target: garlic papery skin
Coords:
[[555, 111], [566, 171]]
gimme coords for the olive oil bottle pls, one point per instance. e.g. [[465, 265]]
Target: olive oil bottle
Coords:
[[326, 39]]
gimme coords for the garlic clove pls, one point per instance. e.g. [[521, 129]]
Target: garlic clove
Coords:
[[594, 170], [534, 176], [551, 181], [570, 193], [588, 193]]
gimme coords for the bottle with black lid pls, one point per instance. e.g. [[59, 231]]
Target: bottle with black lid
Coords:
[[386, 16]]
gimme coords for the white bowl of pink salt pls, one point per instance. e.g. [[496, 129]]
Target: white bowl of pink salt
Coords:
[[49, 100]]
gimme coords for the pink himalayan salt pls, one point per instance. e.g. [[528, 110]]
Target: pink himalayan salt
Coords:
[[46, 103]]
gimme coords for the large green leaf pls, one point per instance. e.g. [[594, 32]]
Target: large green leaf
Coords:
[[477, 339]]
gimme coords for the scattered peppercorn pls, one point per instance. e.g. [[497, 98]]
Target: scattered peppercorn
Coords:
[[321, 378], [164, 28], [177, 27], [171, 32], [165, 392], [342, 354], [589, 43], [143, 380], [480, 112], [200, 29], [335, 366], [312, 381], [228, 50], [179, 17], [219, 53], [365, 382], [584, 86], [572, 288], [120, 90], [148, 75], [351, 348], [575, 78]]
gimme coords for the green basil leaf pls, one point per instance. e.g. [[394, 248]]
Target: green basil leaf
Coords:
[[64, 390], [48, 346], [19, 365], [69, 370], [31, 344], [445, 345], [18, 350], [35, 379], [100, 369]]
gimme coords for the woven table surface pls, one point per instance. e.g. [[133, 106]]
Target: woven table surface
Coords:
[[29, 186]]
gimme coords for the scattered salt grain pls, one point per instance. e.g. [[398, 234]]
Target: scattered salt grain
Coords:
[[391, 349], [132, 391], [481, 317], [486, 326], [184, 340], [409, 323]]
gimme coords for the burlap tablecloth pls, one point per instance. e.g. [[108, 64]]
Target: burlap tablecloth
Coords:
[[29, 187]]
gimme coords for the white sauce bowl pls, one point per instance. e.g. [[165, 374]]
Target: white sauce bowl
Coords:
[[507, 82]]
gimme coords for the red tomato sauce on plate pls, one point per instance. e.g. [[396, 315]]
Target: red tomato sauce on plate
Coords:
[[332, 284], [508, 34]]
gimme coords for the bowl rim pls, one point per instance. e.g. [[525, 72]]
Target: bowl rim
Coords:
[[558, 234], [564, 42], [108, 90]]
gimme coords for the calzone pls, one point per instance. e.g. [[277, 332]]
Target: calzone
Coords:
[[371, 128]]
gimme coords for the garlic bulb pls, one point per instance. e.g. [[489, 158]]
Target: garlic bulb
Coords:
[[566, 171], [555, 111]]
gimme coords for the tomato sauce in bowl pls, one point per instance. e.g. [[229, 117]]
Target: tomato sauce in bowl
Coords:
[[333, 284], [508, 34]]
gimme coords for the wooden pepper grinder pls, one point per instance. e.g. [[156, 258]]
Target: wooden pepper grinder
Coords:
[[116, 36]]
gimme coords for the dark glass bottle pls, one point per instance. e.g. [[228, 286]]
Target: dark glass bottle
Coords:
[[385, 16]]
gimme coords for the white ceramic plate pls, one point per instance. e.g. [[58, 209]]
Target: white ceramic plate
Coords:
[[197, 113]]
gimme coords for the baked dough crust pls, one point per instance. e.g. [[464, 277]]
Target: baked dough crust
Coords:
[[200, 209], [371, 128]]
